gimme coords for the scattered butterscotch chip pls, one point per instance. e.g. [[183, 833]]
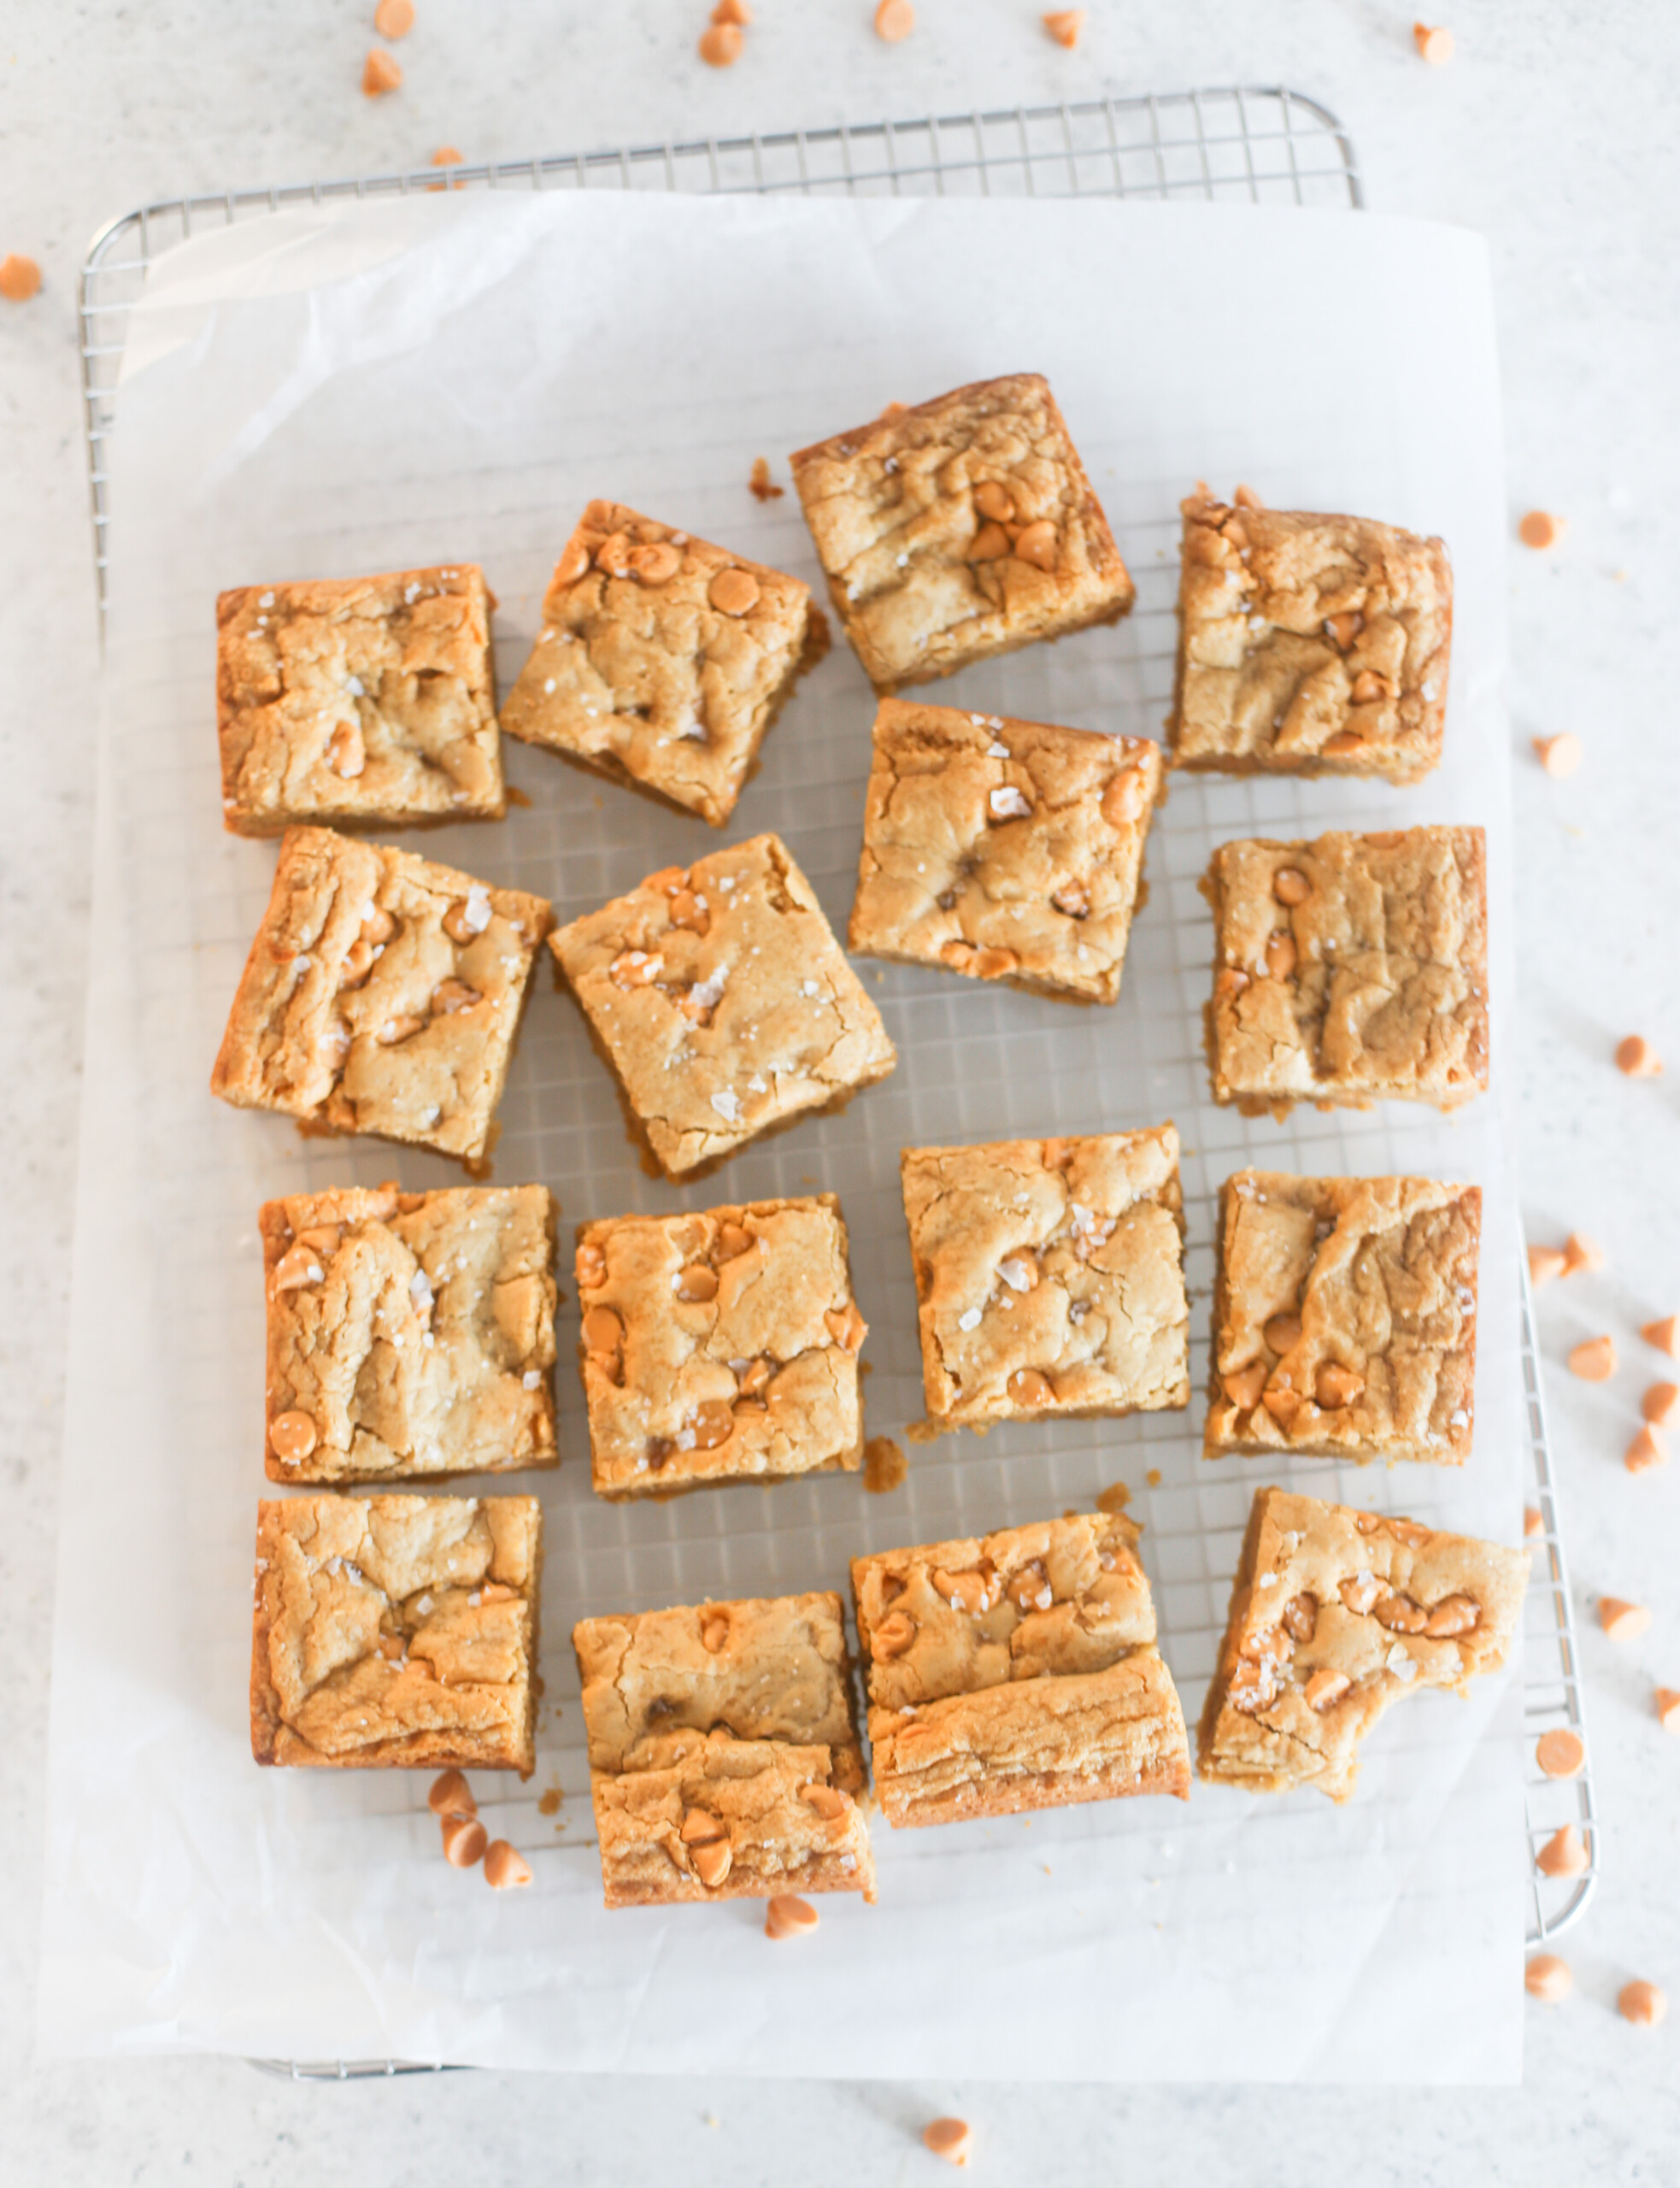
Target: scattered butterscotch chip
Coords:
[[1539, 528], [19, 277], [394, 18], [1559, 755], [1594, 1360], [1664, 1334], [1534, 1520], [885, 1465], [764, 488], [1561, 1754], [1642, 2003], [788, 1916], [895, 20], [1660, 1404], [451, 1795], [1637, 1058], [951, 2140], [732, 11], [464, 1840], [1564, 1854], [1114, 1498], [549, 1800], [1546, 1263], [1064, 25], [1581, 1252], [446, 156], [1153, 1477], [1437, 44], [506, 1868], [720, 45], [1622, 1620], [1548, 1978], [379, 73], [1667, 1700], [1647, 1450]]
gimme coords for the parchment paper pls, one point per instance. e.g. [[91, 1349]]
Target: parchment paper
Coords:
[[361, 388]]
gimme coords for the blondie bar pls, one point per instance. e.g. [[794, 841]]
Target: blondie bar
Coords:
[[1049, 1277], [366, 701], [381, 995], [662, 659], [396, 1630], [1344, 1318], [1309, 644], [960, 529], [1334, 1614], [723, 1758], [409, 1333], [720, 1000], [1350, 969], [1004, 850], [719, 1346], [1016, 1671]]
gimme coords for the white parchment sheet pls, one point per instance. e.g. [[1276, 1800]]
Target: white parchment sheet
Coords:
[[346, 390]]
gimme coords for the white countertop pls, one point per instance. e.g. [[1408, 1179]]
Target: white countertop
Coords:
[[1552, 132]]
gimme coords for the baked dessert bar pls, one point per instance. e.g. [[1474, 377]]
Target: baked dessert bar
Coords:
[[724, 1759], [662, 659], [719, 1346], [409, 1333], [1309, 644], [959, 529], [1016, 1671], [1350, 969], [1007, 851], [1335, 1614], [381, 995], [721, 1002], [1049, 1277], [1344, 1318], [396, 1630], [365, 701]]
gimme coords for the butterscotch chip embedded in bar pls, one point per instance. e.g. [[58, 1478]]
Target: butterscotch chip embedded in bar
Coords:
[[1003, 850], [381, 996], [1049, 1277], [723, 1757], [1344, 1318], [662, 659], [1309, 644], [958, 529], [1335, 1614], [1350, 969], [412, 1333], [719, 1346], [1016, 1671], [720, 999], [397, 1631]]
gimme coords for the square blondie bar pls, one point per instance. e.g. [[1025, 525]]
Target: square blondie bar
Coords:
[[1016, 1671], [719, 1346], [1309, 644], [1336, 1614], [396, 1630], [1049, 1277], [1350, 969], [662, 659], [958, 529], [364, 701], [722, 1003], [724, 1756], [1003, 850], [1344, 1318], [381, 995], [409, 1333]]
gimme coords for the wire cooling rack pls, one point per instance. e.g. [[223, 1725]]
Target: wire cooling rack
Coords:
[[1248, 145]]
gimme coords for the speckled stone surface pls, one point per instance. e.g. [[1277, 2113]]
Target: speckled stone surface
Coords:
[[1553, 131]]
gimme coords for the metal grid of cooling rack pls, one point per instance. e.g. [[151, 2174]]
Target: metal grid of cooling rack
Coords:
[[1240, 145]]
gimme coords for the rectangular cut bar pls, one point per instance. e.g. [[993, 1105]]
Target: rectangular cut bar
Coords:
[[1344, 1318], [396, 1630], [364, 701], [1350, 969], [1309, 645], [409, 1333], [1049, 1277], [724, 1756], [1003, 850], [1336, 1614], [719, 1346], [381, 995], [721, 1001], [958, 529], [1016, 1671], [662, 659]]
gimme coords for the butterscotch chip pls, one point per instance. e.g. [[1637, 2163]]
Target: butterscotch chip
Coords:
[[464, 1840], [291, 1437], [446, 155], [1594, 1360], [951, 2140], [379, 73], [720, 44], [20, 277], [1581, 1253], [1545, 1263], [1664, 1334], [1643, 2003], [1559, 755], [759, 479], [1436, 45], [895, 20], [1637, 1058], [1548, 1978], [1564, 1854], [451, 1795], [1661, 1404], [1561, 1754], [1063, 25], [1621, 1620], [1645, 1451], [1534, 1520], [1539, 529], [506, 1868], [732, 11], [394, 18], [1667, 1702], [789, 1916]]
